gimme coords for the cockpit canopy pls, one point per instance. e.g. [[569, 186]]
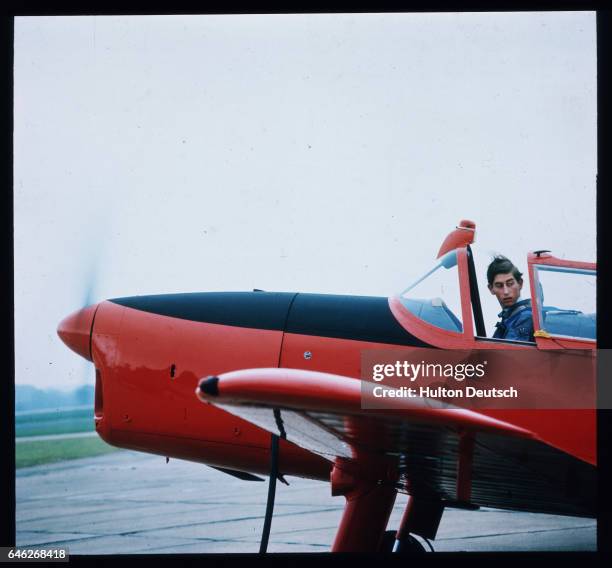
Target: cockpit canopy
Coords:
[[573, 287], [569, 310], [435, 297]]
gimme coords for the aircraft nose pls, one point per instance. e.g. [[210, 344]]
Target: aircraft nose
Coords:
[[75, 331]]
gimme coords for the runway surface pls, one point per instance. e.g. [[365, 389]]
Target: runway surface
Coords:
[[129, 502]]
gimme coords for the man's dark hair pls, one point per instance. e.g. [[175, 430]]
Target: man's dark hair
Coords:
[[502, 265]]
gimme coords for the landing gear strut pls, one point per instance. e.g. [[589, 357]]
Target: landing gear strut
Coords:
[[369, 485]]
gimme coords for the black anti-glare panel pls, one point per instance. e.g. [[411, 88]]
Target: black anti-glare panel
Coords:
[[259, 310], [362, 318], [359, 318]]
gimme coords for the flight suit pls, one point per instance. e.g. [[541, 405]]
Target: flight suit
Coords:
[[516, 322]]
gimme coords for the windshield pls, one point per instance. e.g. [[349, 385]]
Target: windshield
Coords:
[[566, 301], [435, 296]]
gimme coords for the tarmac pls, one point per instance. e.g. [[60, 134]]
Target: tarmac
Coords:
[[133, 503]]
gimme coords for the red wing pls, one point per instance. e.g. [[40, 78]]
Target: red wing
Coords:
[[323, 413]]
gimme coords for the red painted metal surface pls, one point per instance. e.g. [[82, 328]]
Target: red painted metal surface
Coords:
[[369, 502], [573, 431], [463, 235], [75, 330], [146, 408], [327, 354], [548, 259], [310, 390]]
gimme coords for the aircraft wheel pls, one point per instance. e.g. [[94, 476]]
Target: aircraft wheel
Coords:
[[409, 546]]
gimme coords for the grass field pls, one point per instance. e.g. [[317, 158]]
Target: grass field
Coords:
[[50, 451], [54, 422]]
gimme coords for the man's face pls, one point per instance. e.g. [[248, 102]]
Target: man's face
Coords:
[[506, 288]]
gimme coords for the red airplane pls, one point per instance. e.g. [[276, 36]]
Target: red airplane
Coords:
[[269, 383]]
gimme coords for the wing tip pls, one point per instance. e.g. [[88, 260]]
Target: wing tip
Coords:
[[209, 386]]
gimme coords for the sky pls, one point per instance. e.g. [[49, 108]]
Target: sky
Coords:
[[327, 153]]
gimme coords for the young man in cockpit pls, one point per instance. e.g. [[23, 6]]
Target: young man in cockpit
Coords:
[[506, 283]]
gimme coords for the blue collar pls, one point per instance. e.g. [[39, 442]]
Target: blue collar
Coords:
[[507, 312]]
